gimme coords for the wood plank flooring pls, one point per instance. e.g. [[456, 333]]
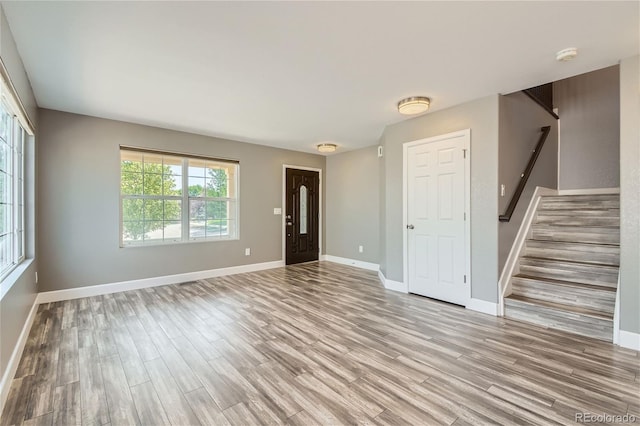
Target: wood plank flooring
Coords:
[[318, 343]]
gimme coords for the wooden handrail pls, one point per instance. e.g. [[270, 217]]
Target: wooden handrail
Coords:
[[506, 217]]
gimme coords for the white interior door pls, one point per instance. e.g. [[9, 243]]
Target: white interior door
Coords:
[[436, 214]]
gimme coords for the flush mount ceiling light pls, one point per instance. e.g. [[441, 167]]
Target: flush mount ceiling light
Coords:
[[568, 54], [414, 105], [327, 147]]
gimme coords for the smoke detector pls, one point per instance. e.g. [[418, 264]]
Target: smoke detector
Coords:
[[567, 54]]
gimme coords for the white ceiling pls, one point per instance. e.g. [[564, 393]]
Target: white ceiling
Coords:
[[293, 74]]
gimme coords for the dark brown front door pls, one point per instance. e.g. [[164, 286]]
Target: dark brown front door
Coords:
[[301, 216]]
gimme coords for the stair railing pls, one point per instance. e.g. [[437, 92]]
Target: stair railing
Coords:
[[524, 177]]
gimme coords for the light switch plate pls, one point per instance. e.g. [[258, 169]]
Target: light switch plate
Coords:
[[277, 210]]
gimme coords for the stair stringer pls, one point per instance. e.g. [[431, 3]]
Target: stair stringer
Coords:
[[616, 315]]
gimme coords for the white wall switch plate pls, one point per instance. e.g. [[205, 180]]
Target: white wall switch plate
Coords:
[[360, 249], [277, 210], [247, 252]]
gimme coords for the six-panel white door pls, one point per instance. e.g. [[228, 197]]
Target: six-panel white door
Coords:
[[436, 219]]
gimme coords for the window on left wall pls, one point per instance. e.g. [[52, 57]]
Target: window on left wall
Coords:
[[12, 206]]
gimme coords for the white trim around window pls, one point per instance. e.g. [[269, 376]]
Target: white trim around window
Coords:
[[169, 198], [13, 137]]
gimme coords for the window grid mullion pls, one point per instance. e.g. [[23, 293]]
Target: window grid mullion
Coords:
[[212, 198], [16, 171], [151, 197], [10, 200], [143, 193], [22, 250], [186, 232]]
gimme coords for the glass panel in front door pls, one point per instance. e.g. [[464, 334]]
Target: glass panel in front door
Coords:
[[303, 209]]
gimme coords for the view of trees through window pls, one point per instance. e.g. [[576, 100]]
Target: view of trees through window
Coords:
[[169, 198]]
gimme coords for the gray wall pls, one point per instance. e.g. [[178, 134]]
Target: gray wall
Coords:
[[382, 209], [481, 116], [79, 178], [630, 195], [353, 204], [16, 303], [520, 123], [589, 109], [13, 64]]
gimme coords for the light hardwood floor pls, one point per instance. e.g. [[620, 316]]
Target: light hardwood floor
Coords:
[[318, 343]]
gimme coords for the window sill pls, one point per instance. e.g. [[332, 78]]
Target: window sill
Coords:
[[14, 276], [179, 243]]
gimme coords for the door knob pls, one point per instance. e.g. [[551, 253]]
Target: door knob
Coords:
[[289, 223], [410, 226]]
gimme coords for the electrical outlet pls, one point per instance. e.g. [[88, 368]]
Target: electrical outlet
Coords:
[[360, 249], [247, 252]]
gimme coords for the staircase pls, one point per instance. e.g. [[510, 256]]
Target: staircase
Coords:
[[568, 269]]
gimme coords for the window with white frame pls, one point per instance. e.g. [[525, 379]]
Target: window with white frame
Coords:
[[12, 140], [170, 198]]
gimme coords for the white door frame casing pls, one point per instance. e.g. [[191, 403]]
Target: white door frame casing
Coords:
[[466, 134], [284, 207]]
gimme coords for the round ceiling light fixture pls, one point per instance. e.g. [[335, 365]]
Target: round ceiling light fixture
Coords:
[[327, 147], [567, 54], [414, 105]]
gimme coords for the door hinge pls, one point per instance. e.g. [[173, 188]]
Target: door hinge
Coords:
[[464, 153], [465, 279]]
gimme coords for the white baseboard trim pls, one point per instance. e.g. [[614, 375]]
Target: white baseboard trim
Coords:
[[391, 284], [96, 290], [593, 191], [14, 361], [616, 315], [483, 306], [351, 262], [629, 340]]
